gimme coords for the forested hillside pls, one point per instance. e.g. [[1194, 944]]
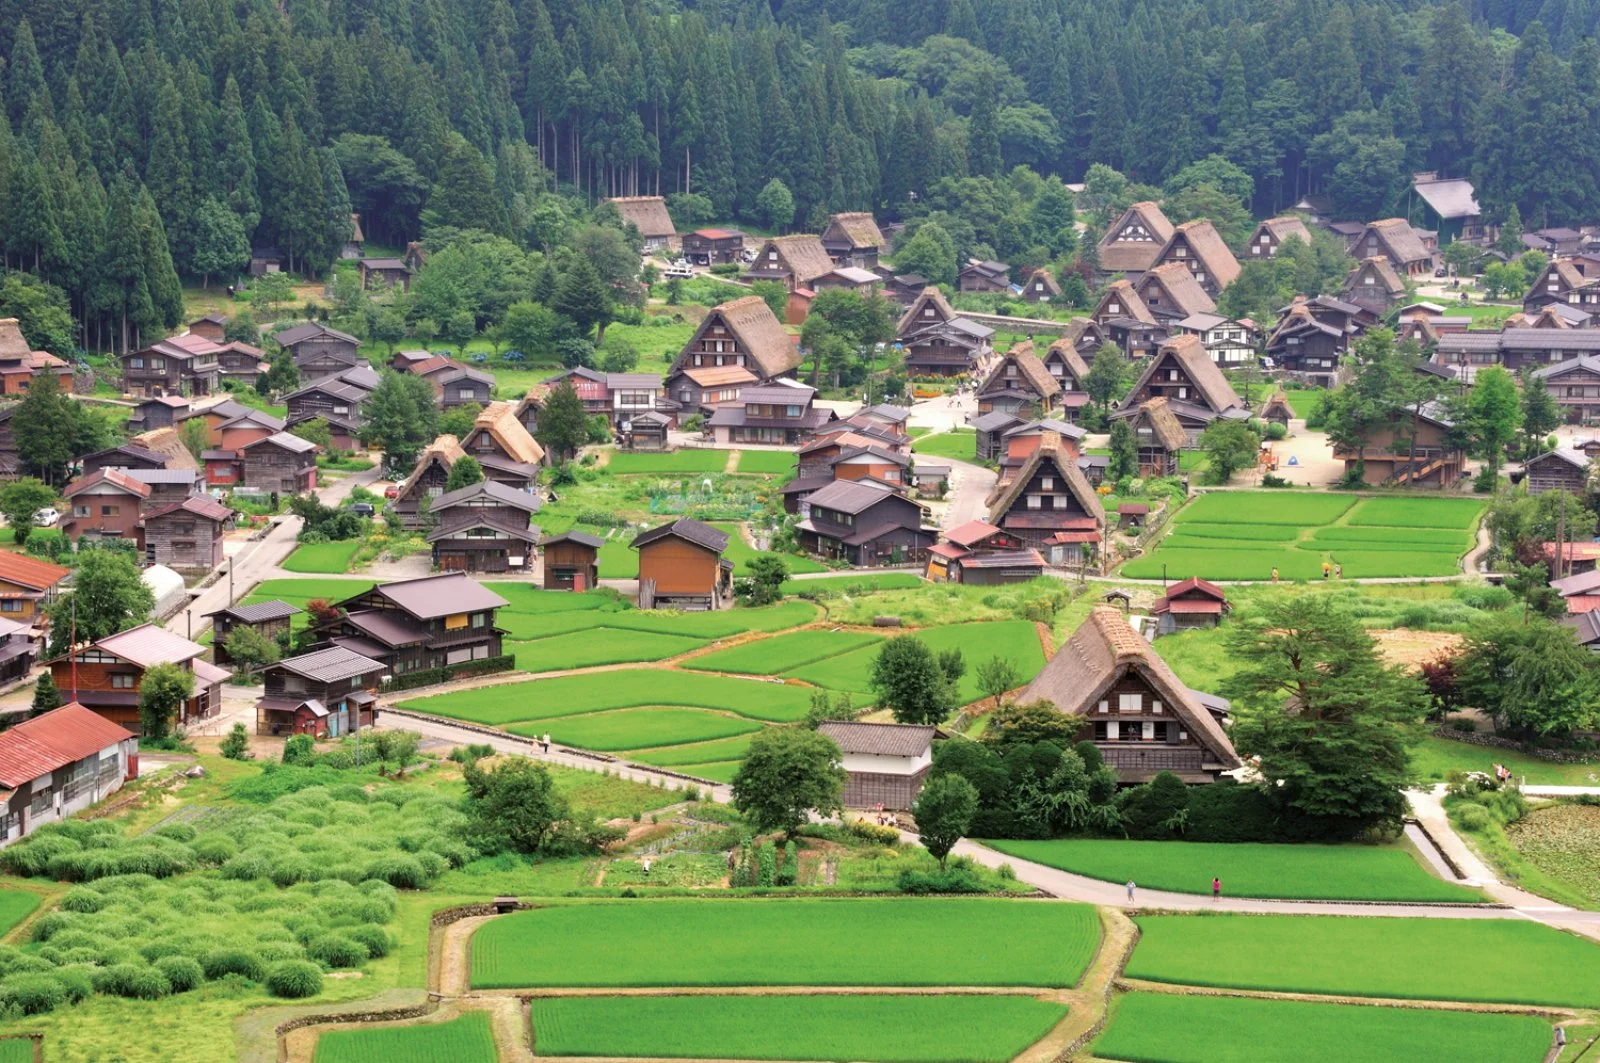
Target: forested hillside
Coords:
[[148, 139]]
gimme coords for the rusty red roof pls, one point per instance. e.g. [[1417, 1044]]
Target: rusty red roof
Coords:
[[148, 645], [114, 477], [29, 571], [45, 743]]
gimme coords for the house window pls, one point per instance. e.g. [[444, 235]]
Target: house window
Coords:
[[136, 363], [80, 511], [122, 682], [1048, 483], [110, 511], [791, 411], [480, 619], [1113, 308], [1035, 501], [40, 804], [1155, 707], [1129, 703], [10, 605]]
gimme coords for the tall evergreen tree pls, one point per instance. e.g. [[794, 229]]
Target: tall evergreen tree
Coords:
[[983, 134]]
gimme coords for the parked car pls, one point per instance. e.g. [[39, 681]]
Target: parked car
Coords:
[[46, 517], [362, 509], [679, 269], [391, 492]]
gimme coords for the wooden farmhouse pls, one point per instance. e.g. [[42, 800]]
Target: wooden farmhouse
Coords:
[[441, 621], [571, 561], [984, 275], [740, 335], [270, 620], [508, 454], [1159, 437], [1374, 286], [1562, 469], [28, 586], [853, 239], [280, 462], [1018, 442], [1269, 236], [182, 365], [529, 405], [1172, 293], [186, 535], [1309, 344], [1278, 410], [414, 497], [318, 350], [885, 764], [681, 567], [1197, 393], [325, 693], [106, 504], [649, 215], [124, 457], [1141, 717], [795, 261], [1048, 504], [105, 676], [990, 429], [1580, 592], [19, 649], [1187, 604], [1572, 282], [713, 247], [634, 395], [485, 527], [1133, 243], [1199, 248], [1041, 287], [1065, 363], [1575, 384], [240, 364], [1125, 320], [20, 364], [590, 387], [60, 763], [850, 279], [160, 411], [782, 413], [865, 522], [981, 554], [463, 387], [213, 327], [338, 400], [937, 341], [1420, 453], [384, 273], [1019, 384], [1397, 241]]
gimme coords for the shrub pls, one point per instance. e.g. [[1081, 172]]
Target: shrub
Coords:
[[134, 981], [291, 869], [51, 924], [372, 938], [766, 865], [276, 951], [218, 963], [183, 973], [247, 867], [1276, 431], [32, 994], [178, 832], [953, 879], [1473, 817], [337, 950], [214, 849], [294, 979], [873, 833], [402, 872], [77, 982], [83, 899]]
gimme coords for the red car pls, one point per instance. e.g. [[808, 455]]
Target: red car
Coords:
[[391, 492]]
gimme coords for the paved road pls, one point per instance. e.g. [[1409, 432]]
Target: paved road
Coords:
[[969, 492]]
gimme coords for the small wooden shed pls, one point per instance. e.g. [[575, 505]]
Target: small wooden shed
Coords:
[[267, 619], [571, 561]]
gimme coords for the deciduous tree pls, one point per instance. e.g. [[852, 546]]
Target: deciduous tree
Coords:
[[162, 689], [788, 773], [944, 811], [20, 500], [908, 680]]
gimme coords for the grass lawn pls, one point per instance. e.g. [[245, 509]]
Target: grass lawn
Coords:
[[1163, 1028], [641, 728], [788, 942], [543, 699], [740, 552], [322, 557], [1012, 639], [767, 462], [863, 583], [721, 771], [1325, 872], [899, 1029], [958, 443], [1302, 400], [468, 1039], [16, 1050], [1486, 960], [732, 749], [781, 652], [598, 646], [15, 906], [688, 460], [1435, 757]]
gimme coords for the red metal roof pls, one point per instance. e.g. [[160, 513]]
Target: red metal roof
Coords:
[[1074, 537], [947, 550], [41, 745], [29, 571], [115, 477], [1187, 605], [1582, 603], [973, 531]]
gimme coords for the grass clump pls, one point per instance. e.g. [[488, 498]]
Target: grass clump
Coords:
[[294, 979]]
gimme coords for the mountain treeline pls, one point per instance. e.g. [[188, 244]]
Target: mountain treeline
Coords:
[[147, 139]]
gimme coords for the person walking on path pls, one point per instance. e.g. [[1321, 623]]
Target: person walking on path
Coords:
[[1274, 573], [1130, 891], [1338, 571], [1327, 570], [1216, 889], [545, 741]]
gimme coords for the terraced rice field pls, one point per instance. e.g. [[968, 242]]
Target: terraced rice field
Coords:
[[598, 646], [1163, 1028], [322, 557], [782, 652], [1482, 960], [1016, 640], [1240, 535], [688, 460], [899, 942], [468, 1039], [869, 1029], [767, 462], [623, 729], [1324, 872]]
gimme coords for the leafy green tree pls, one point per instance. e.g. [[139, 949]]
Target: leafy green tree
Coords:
[[825, 707], [242, 328], [530, 328], [464, 473], [1533, 678], [1531, 586], [1028, 723], [20, 500], [910, 682], [996, 676], [162, 690], [458, 420], [1124, 460], [789, 773], [1509, 242], [317, 430], [251, 650], [944, 811], [583, 298], [983, 137], [1540, 414], [1494, 414], [514, 806], [1230, 446], [929, 253], [51, 430], [463, 195], [563, 425], [1332, 724], [282, 375], [774, 294], [220, 244], [765, 576], [45, 696], [1104, 380], [400, 418], [236, 746], [196, 436], [1464, 258], [1501, 278], [776, 204], [42, 312], [107, 596]]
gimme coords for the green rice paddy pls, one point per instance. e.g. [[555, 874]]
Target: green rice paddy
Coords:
[[869, 1029], [468, 1039], [598, 646], [322, 557], [767, 462], [781, 652], [1240, 535], [1164, 1028], [633, 728], [1482, 960], [854, 583], [16, 1050], [1016, 640], [705, 942], [723, 749], [688, 460], [1324, 872]]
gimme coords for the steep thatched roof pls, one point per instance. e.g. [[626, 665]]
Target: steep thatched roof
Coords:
[[857, 228], [760, 333], [499, 419], [1129, 304], [1208, 249], [1029, 368], [1195, 361], [445, 450], [1163, 423], [647, 213], [1134, 241], [1049, 450], [1183, 292], [914, 318]]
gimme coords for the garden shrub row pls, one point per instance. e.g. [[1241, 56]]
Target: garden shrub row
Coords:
[[433, 676]]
